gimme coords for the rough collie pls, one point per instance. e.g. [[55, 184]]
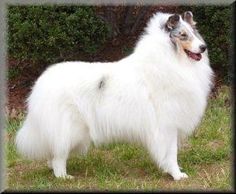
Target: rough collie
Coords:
[[154, 96]]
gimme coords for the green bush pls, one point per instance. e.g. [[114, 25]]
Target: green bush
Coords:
[[46, 34], [215, 27]]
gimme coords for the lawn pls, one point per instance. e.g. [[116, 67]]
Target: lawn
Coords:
[[206, 157]]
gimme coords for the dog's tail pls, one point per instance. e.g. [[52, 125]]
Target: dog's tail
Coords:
[[30, 143]]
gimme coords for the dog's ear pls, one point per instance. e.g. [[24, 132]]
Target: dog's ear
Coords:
[[188, 17], [172, 22]]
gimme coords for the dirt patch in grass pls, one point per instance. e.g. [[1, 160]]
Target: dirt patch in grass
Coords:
[[214, 145]]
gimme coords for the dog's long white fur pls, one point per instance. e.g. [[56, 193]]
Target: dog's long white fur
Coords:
[[152, 97]]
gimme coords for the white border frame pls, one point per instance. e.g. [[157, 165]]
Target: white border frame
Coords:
[[3, 46]]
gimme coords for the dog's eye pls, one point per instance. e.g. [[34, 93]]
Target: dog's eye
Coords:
[[184, 35]]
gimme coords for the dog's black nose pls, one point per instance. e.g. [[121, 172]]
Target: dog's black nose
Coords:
[[203, 47]]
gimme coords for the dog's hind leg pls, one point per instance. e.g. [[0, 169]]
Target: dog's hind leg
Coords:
[[59, 167], [72, 134], [163, 149], [60, 155]]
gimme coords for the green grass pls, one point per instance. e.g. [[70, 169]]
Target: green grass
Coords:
[[205, 157]]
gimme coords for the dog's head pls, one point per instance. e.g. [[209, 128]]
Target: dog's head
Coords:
[[183, 33]]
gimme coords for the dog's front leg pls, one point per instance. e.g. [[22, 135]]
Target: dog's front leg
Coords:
[[163, 149]]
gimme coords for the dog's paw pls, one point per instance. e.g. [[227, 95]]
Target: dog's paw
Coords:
[[65, 177], [69, 177], [180, 176]]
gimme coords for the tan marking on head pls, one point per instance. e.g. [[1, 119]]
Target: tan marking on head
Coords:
[[186, 44]]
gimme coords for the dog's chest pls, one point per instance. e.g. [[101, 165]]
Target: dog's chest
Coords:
[[178, 98]]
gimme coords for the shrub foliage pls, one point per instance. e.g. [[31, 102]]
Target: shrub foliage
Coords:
[[52, 33]]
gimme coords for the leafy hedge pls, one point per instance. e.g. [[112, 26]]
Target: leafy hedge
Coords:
[[215, 27], [52, 33]]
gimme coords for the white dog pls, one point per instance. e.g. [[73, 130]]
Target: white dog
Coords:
[[153, 96]]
